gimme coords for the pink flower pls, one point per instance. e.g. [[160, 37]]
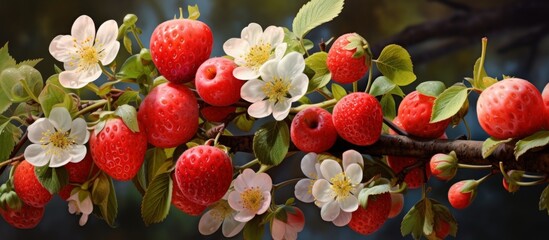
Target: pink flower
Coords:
[[251, 195], [288, 228]]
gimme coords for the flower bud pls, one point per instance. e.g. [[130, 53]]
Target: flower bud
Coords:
[[444, 166]]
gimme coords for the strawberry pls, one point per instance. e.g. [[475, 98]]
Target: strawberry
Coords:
[[442, 228], [182, 203], [25, 218], [169, 115], [117, 150], [397, 203], [462, 193], [545, 97], [370, 219], [347, 60], [414, 113], [179, 46], [313, 130], [358, 118], [216, 84], [78, 173], [27, 186], [511, 108], [204, 174], [216, 114]]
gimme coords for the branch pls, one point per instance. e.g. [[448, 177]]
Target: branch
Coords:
[[467, 151]]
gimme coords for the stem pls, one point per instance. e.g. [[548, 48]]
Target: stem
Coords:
[[484, 178], [533, 176], [92, 107], [482, 57], [394, 127], [92, 87], [325, 95], [110, 76], [528, 184], [285, 183], [303, 46], [471, 166], [264, 168], [355, 86], [136, 36], [467, 128], [369, 81], [12, 160], [325, 104], [248, 164]]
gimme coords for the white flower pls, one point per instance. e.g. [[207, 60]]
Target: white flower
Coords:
[[282, 82], [254, 48], [311, 168], [337, 196], [81, 205], [57, 140], [83, 51], [289, 227], [251, 195], [220, 213]]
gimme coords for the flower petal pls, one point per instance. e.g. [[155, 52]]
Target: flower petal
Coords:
[[281, 110], [244, 180], [343, 219], [77, 153], [260, 109], [280, 50], [291, 65], [61, 119], [273, 35], [244, 216], [83, 219], [83, 29], [86, 206], [61, 158], [209, 222], [265, 203], [62, 48], [322, 191], [252, 90], [38, 128], [105, 41], [348, 204], [308, 163], [352, 156], [90, 74], [263, 181], [235, 47], [231, 227], [330, 211], [303, 192], [79, 131], [234, 200], [268, 70], [36, 155], [245, 73], [354, 173], [330, 168], [252, 33], [278, 229], [298, 87]]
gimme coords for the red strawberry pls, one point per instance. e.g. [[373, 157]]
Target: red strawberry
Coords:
[[397, 203], [545, 97], [313, 130], [204, 174], [179, 46], [358, 118], [25, 218], [117, 150], [414, 113], [78, 173], [442, 228], [216, 114], [216, 84], [370, 219], [27, 186], [462, 193], [510, 108], [182, 203], [344, 63], [169, 115]]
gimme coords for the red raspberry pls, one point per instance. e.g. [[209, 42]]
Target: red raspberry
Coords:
[[313, 130], [216, 84], [370, 219], [169, 115], [25, 218], [358, 118], [342, 65], [27, 186], [511, 108], [414, 113]]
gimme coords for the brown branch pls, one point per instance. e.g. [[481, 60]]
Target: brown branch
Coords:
[[468, 151]]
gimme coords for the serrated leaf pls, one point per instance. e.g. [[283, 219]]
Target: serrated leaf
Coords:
[[544, 200], [50, 96], [243, 123], [29, 62], [395, 63], [253, 230], [129, 116], [448, 103], [338, 91], [5, 102], [7, 141], [431, 88], [53, 179], [367, 192], [271, 142], [154, 159], [412, 223], [381, 86], [388, 106], [491, 144], [314, 13], [129, 97], [429, 218], [157, 199], [538, 139], [6, 61], [321, 77]]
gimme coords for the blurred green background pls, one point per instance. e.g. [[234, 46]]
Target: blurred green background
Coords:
[[517, 46]]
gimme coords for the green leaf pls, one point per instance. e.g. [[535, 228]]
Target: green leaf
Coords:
[[129, 97], [388, 106], [398, 91], [50, 96], [30, 62], [317, 63], [314, 13], [243, 122], [6, 61], [491, 144], [154, 159], [338, 91], [253, 230], [127, 44], [448, 103], [101, 189], [194, 14], [365, 193], [53, 179], [271, 142], [481, 81], [131, 69], [538, 139], [431, 88], [395, 63], [7, 141], [412, 223], [109, 207], [544, 200], [129, 116], [429, 218], [5, 102], [381, 86], [157, 199], [10, 83]]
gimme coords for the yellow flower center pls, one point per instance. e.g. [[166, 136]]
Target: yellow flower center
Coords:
[[341, 185], [60, 141], [89, 55], [252, 199], [276, 90], [258, 55], [221, 209]]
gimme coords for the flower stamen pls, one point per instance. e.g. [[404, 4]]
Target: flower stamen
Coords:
[[252, 198], [276, 90], [257, 55], [341, 185]]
